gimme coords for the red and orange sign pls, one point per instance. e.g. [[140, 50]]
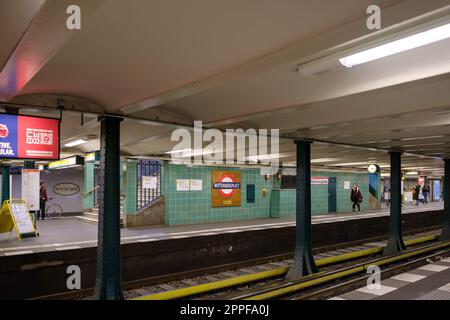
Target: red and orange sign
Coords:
[[24, 137], [225, 188]]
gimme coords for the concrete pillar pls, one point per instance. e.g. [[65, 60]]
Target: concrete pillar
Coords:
[[395, 243], [6, 193], [108, 281], [303, 263], [445, 235]]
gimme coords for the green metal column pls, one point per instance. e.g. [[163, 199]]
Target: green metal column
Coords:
[[445, 235], [395, 243], [28, 164], [303, 263], [108, 281], [6, 194]]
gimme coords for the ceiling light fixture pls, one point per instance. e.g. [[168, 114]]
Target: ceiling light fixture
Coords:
[[75, 143], [411, 34], [411, 42]]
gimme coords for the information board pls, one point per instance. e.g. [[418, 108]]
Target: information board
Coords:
[[22, 218], [30, 188], [14, 214], [196, 184], [149, 182], [183, 184], [24, 137]]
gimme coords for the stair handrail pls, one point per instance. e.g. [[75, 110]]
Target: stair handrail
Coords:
[[90, 191]]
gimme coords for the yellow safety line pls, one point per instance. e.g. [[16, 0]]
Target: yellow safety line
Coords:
[[337, 275], [220, 284]]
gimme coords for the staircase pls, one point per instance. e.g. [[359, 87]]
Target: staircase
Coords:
[[91, 215]]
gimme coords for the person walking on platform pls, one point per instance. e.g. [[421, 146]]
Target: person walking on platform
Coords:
[[426, 193], [416, 194], [43, 198], [356, 197]]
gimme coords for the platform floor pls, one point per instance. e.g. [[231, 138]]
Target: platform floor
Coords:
[[429, 282], [69, 233]]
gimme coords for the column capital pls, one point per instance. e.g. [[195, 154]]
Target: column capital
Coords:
[[110, 117], [297, 141], [395, 152]]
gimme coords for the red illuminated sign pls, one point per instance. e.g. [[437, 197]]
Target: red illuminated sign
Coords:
[[23, 137]]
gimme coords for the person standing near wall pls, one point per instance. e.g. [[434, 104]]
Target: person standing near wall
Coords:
[[43, 198], [426, 193], [356, 197], [416, 194]]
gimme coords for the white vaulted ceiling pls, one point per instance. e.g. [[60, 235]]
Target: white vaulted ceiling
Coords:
[[231, 64]]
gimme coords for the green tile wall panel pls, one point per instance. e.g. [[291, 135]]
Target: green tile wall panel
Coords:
[[89, 180], [130, 187], [187, 207]]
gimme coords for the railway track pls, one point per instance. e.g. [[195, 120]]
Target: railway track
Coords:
[[244, 286], [221, 281]]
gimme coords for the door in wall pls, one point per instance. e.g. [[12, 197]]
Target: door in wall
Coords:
[[332, 207]]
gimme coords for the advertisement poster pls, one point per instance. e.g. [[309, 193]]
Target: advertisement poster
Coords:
[[30, 188], [28, 137], [226, 189]]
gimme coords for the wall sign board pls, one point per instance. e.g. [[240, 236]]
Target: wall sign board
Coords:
[[24, 137], [225, 188], [149, 182], [319, 180]]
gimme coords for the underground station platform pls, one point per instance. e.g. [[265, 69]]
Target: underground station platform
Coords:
[[210, 152]]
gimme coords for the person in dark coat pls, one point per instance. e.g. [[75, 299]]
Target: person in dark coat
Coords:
[[426, 193], [356, 197], [416, 194], [43, 198]]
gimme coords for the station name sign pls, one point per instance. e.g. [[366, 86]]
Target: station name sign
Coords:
[[24, 137]]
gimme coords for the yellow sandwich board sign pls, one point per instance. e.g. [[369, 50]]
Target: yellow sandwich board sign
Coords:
[[14, 215]]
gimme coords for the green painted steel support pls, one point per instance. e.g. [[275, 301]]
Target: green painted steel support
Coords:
[[445, 235], [5, 183], [28, 164], [108, 281], [395, 243], [303, 263]]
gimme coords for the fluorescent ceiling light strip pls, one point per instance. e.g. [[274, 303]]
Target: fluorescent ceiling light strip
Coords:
[[75, 143], [411, 42]]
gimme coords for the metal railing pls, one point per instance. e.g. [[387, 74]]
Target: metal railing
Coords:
[[94, 192], [145, 196]]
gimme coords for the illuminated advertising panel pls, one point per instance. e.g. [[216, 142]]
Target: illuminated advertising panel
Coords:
[[23, 137]]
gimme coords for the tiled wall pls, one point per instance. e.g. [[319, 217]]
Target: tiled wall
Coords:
[[130, 187], [89, 180], [283, 201], [188, 207]]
